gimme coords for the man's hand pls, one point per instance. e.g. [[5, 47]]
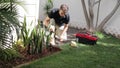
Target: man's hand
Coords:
[[64, 30], [61, 39]]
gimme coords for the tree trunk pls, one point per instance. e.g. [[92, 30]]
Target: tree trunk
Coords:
[[91, 14], [100, 27], [98, 14], [85, 13]]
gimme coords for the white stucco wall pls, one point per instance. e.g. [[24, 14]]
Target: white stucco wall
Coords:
[[112, 26], [31, 10], [77, 18], [76, 15]]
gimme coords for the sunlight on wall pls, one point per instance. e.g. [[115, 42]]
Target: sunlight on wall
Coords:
[[31, 12]]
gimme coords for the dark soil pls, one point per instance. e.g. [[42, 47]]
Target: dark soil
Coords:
[[27, 58]]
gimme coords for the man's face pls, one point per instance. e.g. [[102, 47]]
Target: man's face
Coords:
[[62, 13]]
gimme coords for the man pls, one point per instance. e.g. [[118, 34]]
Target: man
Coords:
[[61, 18]]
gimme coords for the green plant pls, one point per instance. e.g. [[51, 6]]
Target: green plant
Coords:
[[18, 46], [100, 35], [48, 6], [40, 40], [8, 54], [25, 32], [8, 22], [36, 39]]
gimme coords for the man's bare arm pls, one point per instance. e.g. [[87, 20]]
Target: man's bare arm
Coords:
[[46, 21], [65, 28]]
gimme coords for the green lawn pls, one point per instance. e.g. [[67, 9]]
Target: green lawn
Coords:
[[106, 54]]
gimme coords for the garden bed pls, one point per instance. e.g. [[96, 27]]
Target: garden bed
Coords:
[[28, 58]]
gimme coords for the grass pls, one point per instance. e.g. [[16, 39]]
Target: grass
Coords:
[[105, 54]]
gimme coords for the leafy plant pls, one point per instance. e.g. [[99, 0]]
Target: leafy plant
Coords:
[[8, 22], [18, 46], [101, 35], [8, 54], [35, 40], [25, 32], [48, 6]]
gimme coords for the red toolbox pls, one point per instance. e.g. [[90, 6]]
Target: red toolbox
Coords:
[[86, 38]]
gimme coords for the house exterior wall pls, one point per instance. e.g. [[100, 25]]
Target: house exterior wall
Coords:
[[77, 18], [31, 10]]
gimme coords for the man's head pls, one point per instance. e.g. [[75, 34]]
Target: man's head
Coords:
[[63, 9]]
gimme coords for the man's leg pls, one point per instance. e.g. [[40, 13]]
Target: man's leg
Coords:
[[59, 31], [52, 37]]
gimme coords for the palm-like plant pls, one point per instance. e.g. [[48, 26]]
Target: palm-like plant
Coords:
[[8, 22], [8, 19], [36, 40]]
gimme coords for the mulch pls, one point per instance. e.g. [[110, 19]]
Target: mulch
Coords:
[[28, 58]]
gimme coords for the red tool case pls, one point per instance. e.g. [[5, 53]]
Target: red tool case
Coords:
[[86, 38]]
